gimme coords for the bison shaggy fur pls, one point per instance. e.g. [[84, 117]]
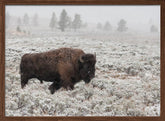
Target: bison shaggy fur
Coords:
[[64, 67]]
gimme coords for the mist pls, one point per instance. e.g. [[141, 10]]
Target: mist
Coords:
[[138, 18]]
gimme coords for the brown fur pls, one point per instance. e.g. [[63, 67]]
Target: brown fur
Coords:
[[61, 66]]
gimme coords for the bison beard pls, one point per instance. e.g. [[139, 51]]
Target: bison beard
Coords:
[[64, 67]]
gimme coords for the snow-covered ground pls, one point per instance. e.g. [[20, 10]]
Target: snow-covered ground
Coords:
[[127, 81]]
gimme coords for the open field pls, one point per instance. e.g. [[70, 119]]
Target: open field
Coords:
[[127, 81]]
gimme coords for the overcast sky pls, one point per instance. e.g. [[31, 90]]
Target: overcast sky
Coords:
[[93, 14]]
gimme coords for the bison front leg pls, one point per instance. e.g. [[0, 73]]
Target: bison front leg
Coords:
[[53, 87], [24, 81], [41, 81], [71, 87]]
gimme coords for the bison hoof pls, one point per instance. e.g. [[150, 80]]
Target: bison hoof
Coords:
[[70, 88], [52, 89], [23, 85], [41, 82]]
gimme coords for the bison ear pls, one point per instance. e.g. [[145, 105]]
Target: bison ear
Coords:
[[81, 59]]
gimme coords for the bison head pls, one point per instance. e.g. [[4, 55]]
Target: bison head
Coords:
[[87, 67]]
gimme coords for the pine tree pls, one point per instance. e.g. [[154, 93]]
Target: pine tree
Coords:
[[69, 25], [24, 31], [84, 25], [122, 26], [35, 20], [76, 22], [107, 26], [53, 21], [19, 22], [26, 19], [18, 29], [99, 26], [63, 23], [153, 28]]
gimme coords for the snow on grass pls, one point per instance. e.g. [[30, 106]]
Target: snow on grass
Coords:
[[127, 81]]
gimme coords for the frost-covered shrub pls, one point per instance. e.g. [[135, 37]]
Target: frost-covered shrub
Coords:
[[127, 80]]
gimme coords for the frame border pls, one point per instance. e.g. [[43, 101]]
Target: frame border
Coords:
[[80, 2]]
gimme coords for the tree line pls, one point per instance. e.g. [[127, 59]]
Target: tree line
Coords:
[[107, 26], [121, 26], [65, 21]]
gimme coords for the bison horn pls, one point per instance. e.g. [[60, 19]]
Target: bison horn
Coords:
[[81, 59]]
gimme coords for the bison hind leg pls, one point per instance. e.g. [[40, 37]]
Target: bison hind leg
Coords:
[[68, 85], [54, 86]]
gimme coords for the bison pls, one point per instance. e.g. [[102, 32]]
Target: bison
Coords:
[[64, 67]]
